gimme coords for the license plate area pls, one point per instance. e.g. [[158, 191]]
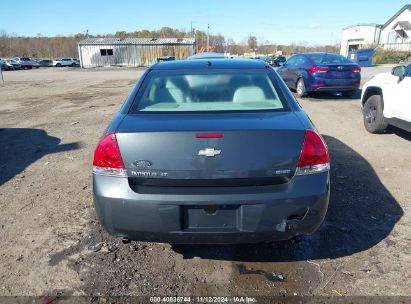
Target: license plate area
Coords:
[[207, 217], [337, 74]]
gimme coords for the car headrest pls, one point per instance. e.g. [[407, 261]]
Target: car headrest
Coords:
[[249, 94], [169, 95]]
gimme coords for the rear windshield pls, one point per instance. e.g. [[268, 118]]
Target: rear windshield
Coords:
[[167, 91], [328, 59]]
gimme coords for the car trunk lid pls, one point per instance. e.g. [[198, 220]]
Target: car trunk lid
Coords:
[[232, 149], [339, 71]]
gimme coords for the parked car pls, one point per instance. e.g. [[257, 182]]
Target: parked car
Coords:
[[273, 61], [3, 65], [66, 62], [278, 61], [386, 100], [211, 151], [12, 64], [166, 58], [311, 72], [45, 63], [8, 65], [36, 64], [26, 63]]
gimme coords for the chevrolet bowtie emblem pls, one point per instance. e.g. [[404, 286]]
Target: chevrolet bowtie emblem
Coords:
[[209, 152]]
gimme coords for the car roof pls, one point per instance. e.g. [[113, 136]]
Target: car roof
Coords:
[[200, 64]]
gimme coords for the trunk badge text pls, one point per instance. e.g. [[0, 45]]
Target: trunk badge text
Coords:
[[209, 152], [148, 174]]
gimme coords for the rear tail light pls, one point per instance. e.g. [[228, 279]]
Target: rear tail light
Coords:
[[356, 70], [107, 157], [314, 156], [316, 69]]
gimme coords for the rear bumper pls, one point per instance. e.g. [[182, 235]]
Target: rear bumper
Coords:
[[272, 213], [325, 84]]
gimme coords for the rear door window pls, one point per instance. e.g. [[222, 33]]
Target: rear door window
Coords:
[[326, 58]]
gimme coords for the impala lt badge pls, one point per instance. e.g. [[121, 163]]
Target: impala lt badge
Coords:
[[209, 152]]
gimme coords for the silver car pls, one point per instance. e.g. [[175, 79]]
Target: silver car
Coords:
[[211, 151]]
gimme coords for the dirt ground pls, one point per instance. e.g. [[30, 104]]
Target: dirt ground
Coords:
[[50, 121]]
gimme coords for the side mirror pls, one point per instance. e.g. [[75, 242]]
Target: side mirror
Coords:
[[399, 71]]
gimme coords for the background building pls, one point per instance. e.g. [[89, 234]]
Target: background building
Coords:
[[393, 35], [133, 52]]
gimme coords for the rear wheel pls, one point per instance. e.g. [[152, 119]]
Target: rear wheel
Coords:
[[58, 65], [301, 91], [374, 120], [73, 64]]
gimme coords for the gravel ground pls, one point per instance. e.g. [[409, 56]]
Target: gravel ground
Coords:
[[50, 121]]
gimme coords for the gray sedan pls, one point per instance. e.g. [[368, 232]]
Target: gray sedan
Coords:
[[211, 151]]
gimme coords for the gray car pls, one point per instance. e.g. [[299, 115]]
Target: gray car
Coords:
[[211, 151], [26, 63], [12, 64]]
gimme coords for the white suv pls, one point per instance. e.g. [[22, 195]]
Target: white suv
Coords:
[[386, 100], [66, 62]]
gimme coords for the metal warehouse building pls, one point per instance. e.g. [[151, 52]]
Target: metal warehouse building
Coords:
[[133, 52]]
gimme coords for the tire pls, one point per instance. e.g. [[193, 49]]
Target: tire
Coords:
[[374, 120], [73, 64], [37, 67], [300, 88], [58, 65], [22, 67]]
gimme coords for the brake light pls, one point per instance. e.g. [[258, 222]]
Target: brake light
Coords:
[[210, 135], [314, 156], [316, 69], [356, 70], [107, 157]]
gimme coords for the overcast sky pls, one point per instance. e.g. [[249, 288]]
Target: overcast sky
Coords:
[[282, 22]]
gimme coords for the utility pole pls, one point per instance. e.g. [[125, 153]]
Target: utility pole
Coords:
[[208, 37], [1, 73]]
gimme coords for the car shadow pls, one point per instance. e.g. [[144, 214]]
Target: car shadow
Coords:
[[20, 147], [399, 132], [326, 96], [361, 214]]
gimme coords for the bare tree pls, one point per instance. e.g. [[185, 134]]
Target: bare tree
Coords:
[[252, 42], [66, 46]]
